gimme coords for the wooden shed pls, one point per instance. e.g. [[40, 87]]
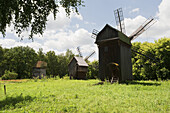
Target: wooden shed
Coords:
[[77, 68], [40, 69], [114, 47]]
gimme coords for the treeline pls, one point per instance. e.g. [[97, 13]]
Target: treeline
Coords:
[[21, 60], [153, 62]]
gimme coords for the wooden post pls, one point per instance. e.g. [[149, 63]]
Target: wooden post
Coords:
[[5, 89]]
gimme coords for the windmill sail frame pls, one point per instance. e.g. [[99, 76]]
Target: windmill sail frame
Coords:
[[80, 54], [120, 20], [146, 25], [87, 57], [94, 33]]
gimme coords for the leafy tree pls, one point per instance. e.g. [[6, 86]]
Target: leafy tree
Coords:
[[20, 60], [69, 55], [162, 51], [1, 60], [63, 61], [52, 63], [155, 68], [32, 14], [93, 70], [41, 55]]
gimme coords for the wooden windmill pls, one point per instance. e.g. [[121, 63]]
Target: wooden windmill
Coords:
[[78, 67], [115, 48]]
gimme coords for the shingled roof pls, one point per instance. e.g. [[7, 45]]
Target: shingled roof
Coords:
[[41, 64], [80, 61], [109, 33]]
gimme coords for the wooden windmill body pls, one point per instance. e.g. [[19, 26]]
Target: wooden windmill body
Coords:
[[115, 47], [40, 69], [78, 67]]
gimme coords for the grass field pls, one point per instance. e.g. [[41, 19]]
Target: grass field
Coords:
[[50, 95]]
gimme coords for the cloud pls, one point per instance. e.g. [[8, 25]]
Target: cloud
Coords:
[[7, 42], [158, 30], [136, 10], [62, 21], [65, 40], [132, 24]]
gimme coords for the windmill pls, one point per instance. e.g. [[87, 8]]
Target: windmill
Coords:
[[78, 67], [115, 47]]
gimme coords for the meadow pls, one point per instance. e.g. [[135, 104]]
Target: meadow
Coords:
[[83, 96]]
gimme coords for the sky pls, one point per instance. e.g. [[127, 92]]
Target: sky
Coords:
[[69, 33]]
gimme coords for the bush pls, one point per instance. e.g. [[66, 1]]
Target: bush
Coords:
[[9, 75], [93, 70]]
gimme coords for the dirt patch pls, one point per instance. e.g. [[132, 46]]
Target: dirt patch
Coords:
[[19, 80]]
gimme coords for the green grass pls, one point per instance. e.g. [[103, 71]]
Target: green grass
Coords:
[[83, 96]]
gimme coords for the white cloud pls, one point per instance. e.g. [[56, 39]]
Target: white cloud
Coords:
[[69, 40], [7, 42], [158, 30], [134, 10], [132, 24], [77, 25], [62, 21]]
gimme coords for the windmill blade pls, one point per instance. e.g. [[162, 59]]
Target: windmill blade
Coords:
[[94, 33], [146, 25], [89, 56], [120, 20], [78, 49]]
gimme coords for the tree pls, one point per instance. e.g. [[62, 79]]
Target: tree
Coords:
[[63, 61], [162, 51], [32, 13], [52, 63], [63, 65], [20, 60], [93, 70], [151, 69], [1, 60], [41, 55], [69, 55]]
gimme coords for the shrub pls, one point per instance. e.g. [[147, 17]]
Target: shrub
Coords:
[[66, 77], [9, 75]]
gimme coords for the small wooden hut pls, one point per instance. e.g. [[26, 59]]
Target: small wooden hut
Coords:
[[114, 47], [40, 69], [77, 68]]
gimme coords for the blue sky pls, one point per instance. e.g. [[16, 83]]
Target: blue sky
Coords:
[[101, 11], [68, 33]]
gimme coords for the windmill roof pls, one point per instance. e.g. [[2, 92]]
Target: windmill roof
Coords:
[[119, 35], [80, 61], [41, 64]]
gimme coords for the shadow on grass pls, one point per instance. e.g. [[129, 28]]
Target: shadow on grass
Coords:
[[140, 83], [15, 102]]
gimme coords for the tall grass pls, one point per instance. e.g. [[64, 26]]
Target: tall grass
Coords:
[[50, 95]]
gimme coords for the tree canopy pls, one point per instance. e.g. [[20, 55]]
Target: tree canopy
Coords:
[[25, 14], [149, 69]]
